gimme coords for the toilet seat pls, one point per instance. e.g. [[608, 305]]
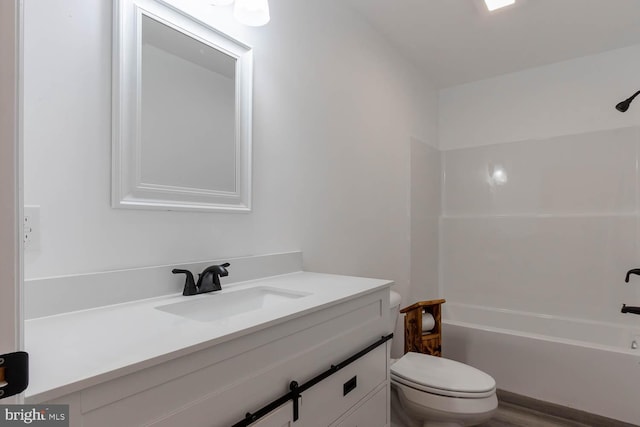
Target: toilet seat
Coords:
[[441, 376]]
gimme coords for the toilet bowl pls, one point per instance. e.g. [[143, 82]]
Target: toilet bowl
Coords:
[[430, 391]]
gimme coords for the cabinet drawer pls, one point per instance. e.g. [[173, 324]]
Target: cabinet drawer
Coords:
[[344, 389], [371, 413]]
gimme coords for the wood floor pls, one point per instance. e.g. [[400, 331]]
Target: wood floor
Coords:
[[520, 411], [509, 415], [515, 410]]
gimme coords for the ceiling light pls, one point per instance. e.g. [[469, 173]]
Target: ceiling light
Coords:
[[497, 4], [252, 12], [220, 2]]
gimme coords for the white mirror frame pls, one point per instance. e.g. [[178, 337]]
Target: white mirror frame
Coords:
[[128, 190]]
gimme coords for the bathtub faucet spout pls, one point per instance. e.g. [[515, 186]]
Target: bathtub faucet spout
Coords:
[[630, 309], [630, 272]]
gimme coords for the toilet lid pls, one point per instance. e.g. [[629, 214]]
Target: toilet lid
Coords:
[[442, 376]]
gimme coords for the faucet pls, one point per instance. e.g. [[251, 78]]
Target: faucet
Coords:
[[208, 280], [189, 284], [630, 309], [630, 272]]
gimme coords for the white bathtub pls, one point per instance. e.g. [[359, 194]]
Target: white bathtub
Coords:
[[581, 364]]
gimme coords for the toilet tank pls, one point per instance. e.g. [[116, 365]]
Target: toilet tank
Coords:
[[394, 309]]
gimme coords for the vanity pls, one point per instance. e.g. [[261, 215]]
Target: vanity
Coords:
[[208, 360], [125, 348]]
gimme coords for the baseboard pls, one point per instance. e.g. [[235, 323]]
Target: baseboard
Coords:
[[560, 411]]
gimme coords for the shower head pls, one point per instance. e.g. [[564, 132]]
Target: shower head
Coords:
[[624, 105]]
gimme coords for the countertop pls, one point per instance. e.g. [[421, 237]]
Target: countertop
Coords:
[[72, 351]]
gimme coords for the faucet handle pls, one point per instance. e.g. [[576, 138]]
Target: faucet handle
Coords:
[[189, 284], [224, 272], [630, 309]]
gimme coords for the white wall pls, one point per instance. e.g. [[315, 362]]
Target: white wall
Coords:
[[335, 108], [565, 98], [425, 214], [558, 236]]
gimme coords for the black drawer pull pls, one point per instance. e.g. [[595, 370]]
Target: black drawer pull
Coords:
[[349, 385]]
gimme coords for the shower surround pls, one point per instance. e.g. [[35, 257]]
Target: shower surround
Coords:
[[536, 238], [540, 222]]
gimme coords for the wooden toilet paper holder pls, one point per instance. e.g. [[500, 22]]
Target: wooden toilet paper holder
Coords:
[[414, 339]]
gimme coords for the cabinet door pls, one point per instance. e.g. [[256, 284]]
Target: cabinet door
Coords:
[[338, 394], [371, 413], [281, 417]]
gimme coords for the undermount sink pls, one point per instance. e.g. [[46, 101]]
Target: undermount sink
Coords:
[[215, 305]]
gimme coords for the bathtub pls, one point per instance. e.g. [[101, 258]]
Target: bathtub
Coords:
[[577, 363]]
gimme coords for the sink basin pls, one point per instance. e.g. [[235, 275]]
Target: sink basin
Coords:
[[214, 306]]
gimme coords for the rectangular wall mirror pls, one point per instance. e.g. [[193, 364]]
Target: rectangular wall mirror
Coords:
[[182, 101]]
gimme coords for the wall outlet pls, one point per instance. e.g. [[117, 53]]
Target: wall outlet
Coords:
[[31, 228]]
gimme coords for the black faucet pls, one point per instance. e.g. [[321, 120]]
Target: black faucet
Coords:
[[633, 271], [625, 307], [189, 284], [208, 280], [630, 309]]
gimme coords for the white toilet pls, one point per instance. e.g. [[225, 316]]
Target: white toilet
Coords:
[[429, 391]]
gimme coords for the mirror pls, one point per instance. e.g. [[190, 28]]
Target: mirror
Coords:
[[182, 97]]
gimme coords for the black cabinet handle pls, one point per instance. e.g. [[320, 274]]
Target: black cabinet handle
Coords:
[[349, 385]]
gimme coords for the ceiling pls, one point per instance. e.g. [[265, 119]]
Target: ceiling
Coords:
[[459, 41]]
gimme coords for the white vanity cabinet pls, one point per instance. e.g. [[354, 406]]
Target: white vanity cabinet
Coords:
[[364, 375], [218, 385], [367, 412], [281, 417]]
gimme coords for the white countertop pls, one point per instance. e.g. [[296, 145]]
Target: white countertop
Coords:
[[72, 351]]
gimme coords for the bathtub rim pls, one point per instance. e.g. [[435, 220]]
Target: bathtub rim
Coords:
[[631, 331]]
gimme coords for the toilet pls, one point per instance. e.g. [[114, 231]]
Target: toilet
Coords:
[[430, 391]]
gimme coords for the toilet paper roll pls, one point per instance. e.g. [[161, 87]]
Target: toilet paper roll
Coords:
[[428, 323]]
